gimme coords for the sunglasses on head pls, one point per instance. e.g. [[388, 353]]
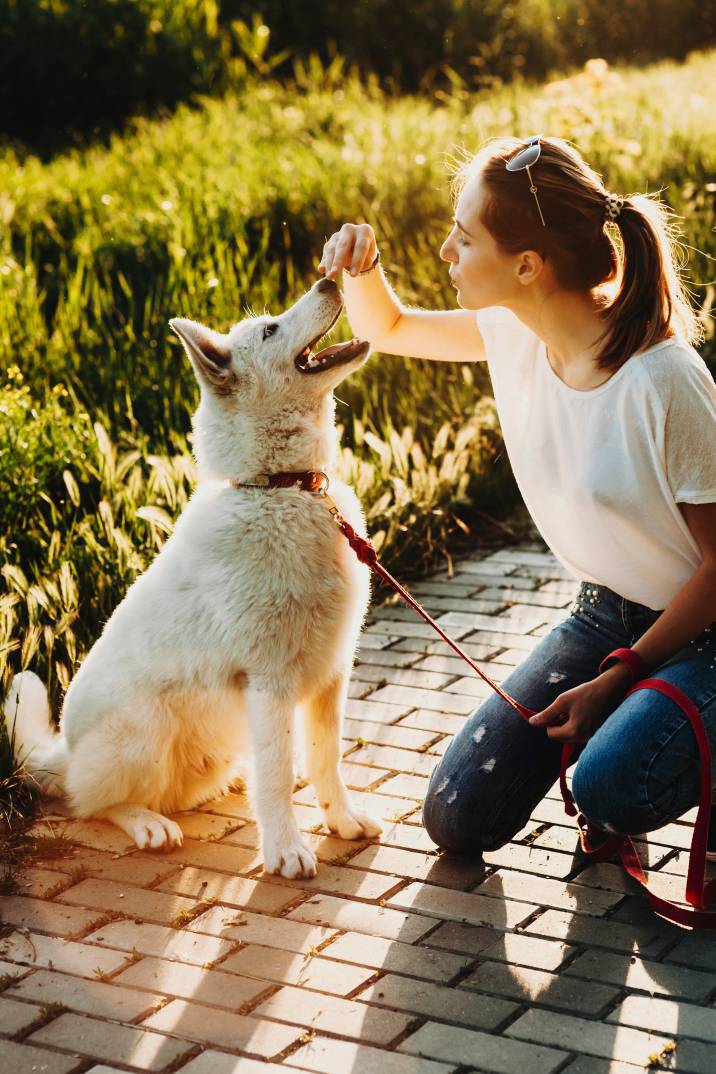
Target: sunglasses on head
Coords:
[[525, 159]]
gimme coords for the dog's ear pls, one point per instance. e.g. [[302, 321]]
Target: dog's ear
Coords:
[[209, 353]]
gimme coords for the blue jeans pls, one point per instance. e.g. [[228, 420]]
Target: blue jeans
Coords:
[[637, 772]]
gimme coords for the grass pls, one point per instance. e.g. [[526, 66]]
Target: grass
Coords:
[[221, 211]]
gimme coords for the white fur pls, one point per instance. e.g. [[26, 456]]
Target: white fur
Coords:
[[251, 611]]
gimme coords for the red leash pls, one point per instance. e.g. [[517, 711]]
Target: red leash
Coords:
[[698, 893]]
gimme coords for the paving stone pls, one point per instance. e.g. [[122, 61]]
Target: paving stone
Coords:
[[162, 942], [579, 929], [590, 1064], [106, 1040], [384, 806], [376, 711], [471, 1047], [491, 569], [348, 1018], [514, 621], [440, 723], [484, 649], [540, 987], [229, 890], [278, 932], [128, 868], [138, 903], [583, 1035], [666, 1016], [98, 998], [357, 689], [15, 1016], [190, 982], [350, 883], [504, 638], [41, 916], [225, 856], [531, 859], [443, 870], [462, 906], [455, 936], [383, 954], [25, 1059], [39, 883], [439, 700], [223, 1028], [394, 759], [376, 920], [373, 642], [697, 950], [359, 777], [382, 657], [326, 1056], [511, 884], [211, 1062], [404, 785], [530, 597], [99, 834], [436, 1001], [644, 974], [422, 679], [305, 971], [523, 950], [198, 825], [397, 629], [406, 738], [66, 956]]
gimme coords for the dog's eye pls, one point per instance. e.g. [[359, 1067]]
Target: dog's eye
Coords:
[[269, 330]]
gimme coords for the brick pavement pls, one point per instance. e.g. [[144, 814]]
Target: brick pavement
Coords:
[[394, 959]]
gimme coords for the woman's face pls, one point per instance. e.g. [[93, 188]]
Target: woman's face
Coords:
[[482, 274]]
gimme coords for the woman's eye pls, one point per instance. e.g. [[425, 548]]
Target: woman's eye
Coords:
[[462, 241], [269, 330]]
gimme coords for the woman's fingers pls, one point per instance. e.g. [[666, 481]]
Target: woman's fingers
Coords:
[[352, 248]]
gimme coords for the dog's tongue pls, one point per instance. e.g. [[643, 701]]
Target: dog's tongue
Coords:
[[328, 352]]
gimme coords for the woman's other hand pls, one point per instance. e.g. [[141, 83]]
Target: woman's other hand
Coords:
[[352, 248], [576, 714]]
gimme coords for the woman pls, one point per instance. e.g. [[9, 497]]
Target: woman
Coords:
[[609, 419]]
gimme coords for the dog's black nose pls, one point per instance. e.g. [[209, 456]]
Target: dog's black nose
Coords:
[[326, 285]]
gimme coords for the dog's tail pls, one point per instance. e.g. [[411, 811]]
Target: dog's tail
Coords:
[[37, 748]]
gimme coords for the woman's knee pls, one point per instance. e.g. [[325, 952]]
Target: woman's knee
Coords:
[[463, 824], [608, 795]]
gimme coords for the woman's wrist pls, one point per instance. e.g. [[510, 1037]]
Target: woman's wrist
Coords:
[[370, 268], [622, 664]]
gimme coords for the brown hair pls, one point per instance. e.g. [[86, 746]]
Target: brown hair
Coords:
[[641, 273]]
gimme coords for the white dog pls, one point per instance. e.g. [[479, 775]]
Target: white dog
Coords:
[[252, 608]]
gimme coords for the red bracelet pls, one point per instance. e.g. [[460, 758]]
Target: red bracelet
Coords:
[[633, 661]]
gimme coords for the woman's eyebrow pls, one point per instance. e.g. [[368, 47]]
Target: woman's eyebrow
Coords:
[[456, 221]]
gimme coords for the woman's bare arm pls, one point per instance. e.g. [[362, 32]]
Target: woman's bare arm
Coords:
[[375, 312]]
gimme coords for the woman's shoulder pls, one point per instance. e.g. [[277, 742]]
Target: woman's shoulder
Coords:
[[673, 367]]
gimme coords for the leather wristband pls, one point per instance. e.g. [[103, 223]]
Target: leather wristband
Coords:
[[371, 267], [633, 661]]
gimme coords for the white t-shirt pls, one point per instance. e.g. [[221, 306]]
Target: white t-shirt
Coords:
[[601, 471]]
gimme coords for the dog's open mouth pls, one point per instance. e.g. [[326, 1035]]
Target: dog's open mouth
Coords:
[[336, 354]]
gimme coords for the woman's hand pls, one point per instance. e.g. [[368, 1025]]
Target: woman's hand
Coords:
[[576, 714], [353, 248]]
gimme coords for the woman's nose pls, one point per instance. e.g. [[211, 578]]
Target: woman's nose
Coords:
[[444, 252]]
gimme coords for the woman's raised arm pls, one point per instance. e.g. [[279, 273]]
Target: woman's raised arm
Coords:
[[375, 313]]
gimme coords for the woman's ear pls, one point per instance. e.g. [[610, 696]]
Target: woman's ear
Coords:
[[529, 267], [209, 353]]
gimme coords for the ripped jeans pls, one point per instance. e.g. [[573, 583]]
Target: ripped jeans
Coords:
[[637, 772]]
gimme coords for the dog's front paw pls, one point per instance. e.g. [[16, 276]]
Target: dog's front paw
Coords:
[[290, 860], [354, 824]]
